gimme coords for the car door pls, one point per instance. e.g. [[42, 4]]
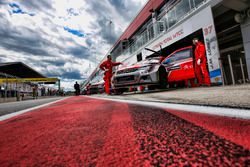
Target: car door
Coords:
[[179, 65]]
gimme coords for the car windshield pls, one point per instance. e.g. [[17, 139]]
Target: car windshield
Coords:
[[152, 60]]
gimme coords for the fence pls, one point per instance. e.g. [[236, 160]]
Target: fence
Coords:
[[173, 12]]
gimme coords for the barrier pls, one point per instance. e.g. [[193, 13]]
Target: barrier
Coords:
[[18, 80]]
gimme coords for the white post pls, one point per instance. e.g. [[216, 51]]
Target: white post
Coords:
[[222, 72], [5, 89], [231, 68], [242, 70], [110, 23]]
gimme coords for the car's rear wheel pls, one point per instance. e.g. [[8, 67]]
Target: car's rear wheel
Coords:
[[120, 91], [162, 74]]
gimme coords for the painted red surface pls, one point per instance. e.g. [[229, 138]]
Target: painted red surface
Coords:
[[82, 131], [186, 68], [233, 129], [120, 143]]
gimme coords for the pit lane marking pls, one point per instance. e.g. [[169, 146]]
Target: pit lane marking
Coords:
[[7, 116], [211, 110]]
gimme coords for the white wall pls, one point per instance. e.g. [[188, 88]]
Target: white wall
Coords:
[[245, 29]]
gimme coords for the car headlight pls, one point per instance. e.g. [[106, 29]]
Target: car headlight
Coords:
[[144, 69]]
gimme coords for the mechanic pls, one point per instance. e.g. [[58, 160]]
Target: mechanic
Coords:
[[200, 65], [107, 66], [88, 89]]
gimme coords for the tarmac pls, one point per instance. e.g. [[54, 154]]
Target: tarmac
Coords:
[[86, 131], [12, 107], [235, 96]]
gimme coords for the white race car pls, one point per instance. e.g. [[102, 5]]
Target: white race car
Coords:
[[147, 72]]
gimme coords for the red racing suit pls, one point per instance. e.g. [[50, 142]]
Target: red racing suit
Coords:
[[107, 67], [201, 70]]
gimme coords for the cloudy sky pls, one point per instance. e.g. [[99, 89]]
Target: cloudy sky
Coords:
[[62, 38]]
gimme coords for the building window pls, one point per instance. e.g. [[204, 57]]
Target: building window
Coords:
[[171, 17], [182, 8], [160, 27], [198, 2], [151, 31]]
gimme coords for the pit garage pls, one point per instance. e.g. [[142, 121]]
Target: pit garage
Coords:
[[228, 21], [17, 78], [233, 59]]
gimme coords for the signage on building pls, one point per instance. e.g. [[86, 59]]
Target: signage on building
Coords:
[[16, 80]]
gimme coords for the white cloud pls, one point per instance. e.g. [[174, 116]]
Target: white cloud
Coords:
[[41, 41]]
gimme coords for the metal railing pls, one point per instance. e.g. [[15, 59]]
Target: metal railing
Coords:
[[173, 12]]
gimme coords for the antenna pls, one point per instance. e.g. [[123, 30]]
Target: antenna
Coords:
[[110, 24], [152, 51], [161, 50]]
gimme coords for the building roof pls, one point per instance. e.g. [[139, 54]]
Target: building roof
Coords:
[[20, 70], [142, 16]]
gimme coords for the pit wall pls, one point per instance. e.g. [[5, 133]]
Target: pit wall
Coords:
[[245, 29]]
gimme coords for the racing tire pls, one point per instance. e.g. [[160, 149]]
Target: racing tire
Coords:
[[162, 75], [119, 91]]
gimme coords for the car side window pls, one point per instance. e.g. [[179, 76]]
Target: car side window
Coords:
[[169, 60], [184, 54], [181, 55]]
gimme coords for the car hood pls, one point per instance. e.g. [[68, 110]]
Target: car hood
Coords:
[[98, 83], [139, 64], [131, 66]]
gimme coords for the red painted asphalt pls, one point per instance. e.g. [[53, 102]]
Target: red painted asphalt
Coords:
[[82, 131]]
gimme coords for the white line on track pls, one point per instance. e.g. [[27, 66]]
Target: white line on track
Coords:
[[7, 116], [220, 111]]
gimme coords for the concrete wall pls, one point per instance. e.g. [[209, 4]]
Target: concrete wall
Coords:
[[245, 28]]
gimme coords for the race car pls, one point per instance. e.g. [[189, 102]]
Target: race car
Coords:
[[179, 65], [96, 88], [175, 68], [147, 72]]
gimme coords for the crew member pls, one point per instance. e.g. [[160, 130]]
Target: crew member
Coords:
[[107, 67], [88, 89], [77, 89], [200, 64]]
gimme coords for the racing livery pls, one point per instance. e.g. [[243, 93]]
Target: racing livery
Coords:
[[147, 72], [179, 65]]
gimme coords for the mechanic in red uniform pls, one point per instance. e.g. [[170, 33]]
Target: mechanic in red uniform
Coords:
[[200, 65], [107, 66]]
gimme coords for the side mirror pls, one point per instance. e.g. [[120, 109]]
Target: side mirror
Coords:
[[167, 61]]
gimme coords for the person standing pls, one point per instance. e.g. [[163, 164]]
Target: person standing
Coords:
[[200, 63], [107, 66], [88, 92], [35, 91], [77, 89]]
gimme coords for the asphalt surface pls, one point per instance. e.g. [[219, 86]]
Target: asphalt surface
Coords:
[[82, 131], [233, 96], [11, 107]]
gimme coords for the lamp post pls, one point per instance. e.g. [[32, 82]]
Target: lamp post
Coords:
[[110, 28]]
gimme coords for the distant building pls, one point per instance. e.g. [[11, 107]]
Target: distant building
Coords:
[[18, 70]]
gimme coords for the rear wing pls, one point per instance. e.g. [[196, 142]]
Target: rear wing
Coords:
[[158, 53]]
